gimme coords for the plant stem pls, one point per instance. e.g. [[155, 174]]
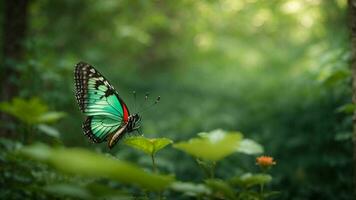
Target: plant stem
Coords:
[[27, 134], [154, 167], [212, 170], [207, 167], [261, 191]]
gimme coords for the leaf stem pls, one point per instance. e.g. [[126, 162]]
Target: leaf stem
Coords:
[[212, 169], [154, 167]]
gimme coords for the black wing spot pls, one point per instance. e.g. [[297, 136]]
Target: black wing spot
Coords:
[[109, 92]]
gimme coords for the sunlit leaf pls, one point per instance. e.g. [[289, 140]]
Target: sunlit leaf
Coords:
[[148, 145], [212, 146], [31, 111], [50, 117], [48, 130], [86, 163], [190, 189], [27, 111], [250, 147], [249, 180]]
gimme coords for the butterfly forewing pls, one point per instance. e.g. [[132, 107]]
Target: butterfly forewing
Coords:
[[98, 100]]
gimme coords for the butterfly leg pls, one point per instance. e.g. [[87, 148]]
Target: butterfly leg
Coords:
[[115, 137], [138, 130]]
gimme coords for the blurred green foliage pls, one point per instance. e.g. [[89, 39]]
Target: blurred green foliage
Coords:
[[275, 70], [82, 162], [31, 111]]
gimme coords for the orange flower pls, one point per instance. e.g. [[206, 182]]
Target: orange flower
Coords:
[[265, 161]]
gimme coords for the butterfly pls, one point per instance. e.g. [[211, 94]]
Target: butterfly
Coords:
[[107, 116]]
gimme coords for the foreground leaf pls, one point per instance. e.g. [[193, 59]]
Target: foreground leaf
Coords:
[[86, 163]]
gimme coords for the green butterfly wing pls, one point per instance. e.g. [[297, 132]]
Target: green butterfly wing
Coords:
[[98, 100], [97, 128]]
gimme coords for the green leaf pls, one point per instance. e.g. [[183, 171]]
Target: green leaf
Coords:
[[271, 194], [212, 146], [90, 191], [249, 180], [148, 145], [220, 188], [337, 76], [86, 163], [105, 192], [31, 111], [343, 136], [250, 147], [347, 108], [26, 111], [50, 117], [190, 189], [71, 190], [48, 130]]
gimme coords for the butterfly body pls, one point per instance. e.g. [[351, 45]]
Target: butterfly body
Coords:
[[108, 117]]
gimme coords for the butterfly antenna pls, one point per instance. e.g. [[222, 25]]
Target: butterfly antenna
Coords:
[[134, 95], [142, 106], [150, 106]]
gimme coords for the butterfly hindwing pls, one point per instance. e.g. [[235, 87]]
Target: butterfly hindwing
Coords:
[[98, 100], [97, 128]]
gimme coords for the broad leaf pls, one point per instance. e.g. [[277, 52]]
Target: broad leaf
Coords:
[[27, 111], [212, 146], [250, 147], [31, 111], [48, 130], [50, 117], [86, 163], [148, 145]]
